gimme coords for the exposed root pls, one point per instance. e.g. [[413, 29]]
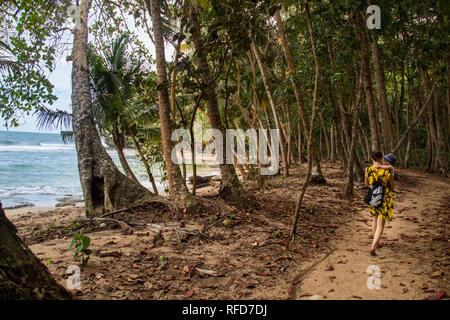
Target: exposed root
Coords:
[[122, 224]]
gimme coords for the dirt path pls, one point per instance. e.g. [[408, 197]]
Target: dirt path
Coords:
[[413, 260]]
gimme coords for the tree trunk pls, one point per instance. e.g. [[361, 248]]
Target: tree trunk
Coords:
[[104, 186], [349, 186], [313, 116], [230, 187], [317, 175], [365, 69], [332, 147], [274, 109], [338, 87], [144, 160], [22, 275], [380, 82], [119, 145], [177, 187]]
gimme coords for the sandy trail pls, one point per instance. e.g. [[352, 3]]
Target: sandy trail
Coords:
[[414, 258]]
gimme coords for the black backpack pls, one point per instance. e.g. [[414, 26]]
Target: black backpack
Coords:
[[375, 194]]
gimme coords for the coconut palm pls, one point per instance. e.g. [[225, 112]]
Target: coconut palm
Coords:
[[113, 75]]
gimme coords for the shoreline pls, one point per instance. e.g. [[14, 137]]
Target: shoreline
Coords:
[[33, 210]]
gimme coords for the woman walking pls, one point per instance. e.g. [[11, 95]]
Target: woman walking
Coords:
[[382, 214]]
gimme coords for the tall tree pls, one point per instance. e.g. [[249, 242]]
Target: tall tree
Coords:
[[104, 186], [230, 187], [317, 175], [177, 188]]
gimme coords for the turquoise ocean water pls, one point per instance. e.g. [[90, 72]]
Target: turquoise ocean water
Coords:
[[39, 168]]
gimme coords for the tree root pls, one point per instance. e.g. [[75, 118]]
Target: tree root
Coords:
[[300, 276]]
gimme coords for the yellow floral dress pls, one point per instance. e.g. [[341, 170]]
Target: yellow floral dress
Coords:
[[385, 212]]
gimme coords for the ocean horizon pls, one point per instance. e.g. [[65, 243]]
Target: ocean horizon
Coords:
[[39, 168]]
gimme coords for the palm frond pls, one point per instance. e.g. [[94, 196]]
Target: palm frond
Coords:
[[53, 119]]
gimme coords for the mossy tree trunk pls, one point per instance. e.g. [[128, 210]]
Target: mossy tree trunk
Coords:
[[104, 186]]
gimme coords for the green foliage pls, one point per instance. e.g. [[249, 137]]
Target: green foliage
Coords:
[[28, 55], [81, 244]]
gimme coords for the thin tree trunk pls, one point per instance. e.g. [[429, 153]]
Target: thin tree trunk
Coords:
[[230, 187], [144, 160], [274, 109], [177, 187], [349, 185], [119, 145], [332, 147], [324, 128], [416, 119], [317, 175], [380, 82], [313, 116], [365, 69]]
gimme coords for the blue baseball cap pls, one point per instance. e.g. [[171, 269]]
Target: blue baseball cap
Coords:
[[390, 157]]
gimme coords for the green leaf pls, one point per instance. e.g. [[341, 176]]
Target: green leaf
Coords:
[[86, 242]]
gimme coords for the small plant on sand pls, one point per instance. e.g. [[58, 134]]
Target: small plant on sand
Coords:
[[81, 244]]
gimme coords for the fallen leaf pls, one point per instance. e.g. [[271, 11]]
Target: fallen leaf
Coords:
[[264, 274], [330, 268], [290, 290], [168, 278], [190, 294], [357, 297], [436, 275], [441, 294]]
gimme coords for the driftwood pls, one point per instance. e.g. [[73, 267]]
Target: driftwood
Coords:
[[207, 272]]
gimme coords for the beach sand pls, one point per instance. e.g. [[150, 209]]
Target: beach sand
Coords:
[[29, 210]]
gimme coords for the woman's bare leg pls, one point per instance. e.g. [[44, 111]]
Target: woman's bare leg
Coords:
[[378, 233], [374, 226]]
